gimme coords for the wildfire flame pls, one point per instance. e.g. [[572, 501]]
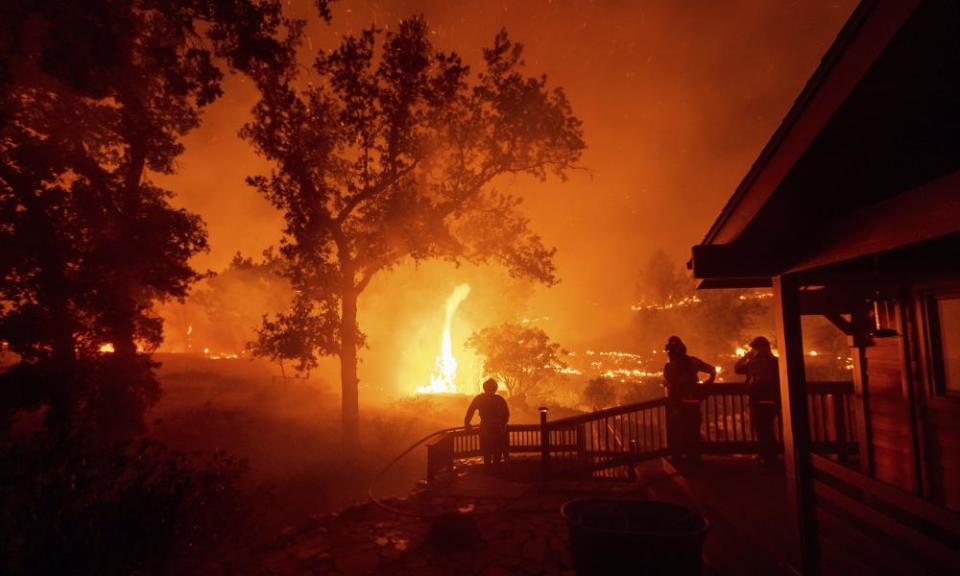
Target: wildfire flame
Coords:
[[444, 377]]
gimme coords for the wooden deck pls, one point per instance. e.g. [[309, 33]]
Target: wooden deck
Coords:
[[745, 503]]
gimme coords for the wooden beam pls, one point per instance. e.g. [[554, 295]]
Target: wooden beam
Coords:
[[830, 301], [727, 261], [860, 391], [842, 324], [796, 433], [714, 283]]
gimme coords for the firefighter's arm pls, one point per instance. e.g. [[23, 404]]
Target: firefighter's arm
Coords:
[[742, 364], [469, 416], [710, 370]]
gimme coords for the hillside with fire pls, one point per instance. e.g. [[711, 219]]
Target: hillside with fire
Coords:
[[537, 287]]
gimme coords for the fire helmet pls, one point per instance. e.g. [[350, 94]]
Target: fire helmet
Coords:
[[675, 346]]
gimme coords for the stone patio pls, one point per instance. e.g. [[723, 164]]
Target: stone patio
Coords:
[[520, 531]]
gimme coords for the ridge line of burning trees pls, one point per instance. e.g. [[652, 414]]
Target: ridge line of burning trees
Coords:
[[716, 325]]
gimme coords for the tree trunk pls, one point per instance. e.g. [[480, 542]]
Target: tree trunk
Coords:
[[348, 369], [124, 331], [63, 391]]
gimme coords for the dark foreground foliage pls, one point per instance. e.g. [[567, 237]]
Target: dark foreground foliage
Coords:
[[141, 509]]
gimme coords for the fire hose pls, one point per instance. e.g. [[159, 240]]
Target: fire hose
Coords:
[[379, 475], [376, 478]]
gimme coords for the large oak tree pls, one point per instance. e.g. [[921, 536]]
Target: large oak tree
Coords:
[[387, 152]]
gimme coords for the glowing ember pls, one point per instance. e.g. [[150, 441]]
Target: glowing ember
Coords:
[[444, 377], [107, 348], [682, 303]]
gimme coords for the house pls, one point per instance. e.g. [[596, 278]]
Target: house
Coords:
[[852, 212]]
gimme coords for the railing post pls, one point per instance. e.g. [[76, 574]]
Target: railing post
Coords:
[[431, 462], [840, 424], [581, 441], [544, 446], [632, 461], [439, 456], [673, 437]]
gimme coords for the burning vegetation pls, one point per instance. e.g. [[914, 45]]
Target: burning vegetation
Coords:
[[406, 180], [444, 377]]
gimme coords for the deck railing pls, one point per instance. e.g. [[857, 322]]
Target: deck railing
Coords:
[[727, 428], [619, 436]]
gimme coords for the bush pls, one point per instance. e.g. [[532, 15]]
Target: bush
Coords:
[[599, 393], [139, 510], [636, 392]]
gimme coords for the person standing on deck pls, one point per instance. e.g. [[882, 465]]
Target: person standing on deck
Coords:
[[683, 388], [494, 415], [763, 379]]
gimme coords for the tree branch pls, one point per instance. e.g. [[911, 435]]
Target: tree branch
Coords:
[[371, 191]]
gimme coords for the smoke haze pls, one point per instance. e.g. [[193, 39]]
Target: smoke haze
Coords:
[[677, 99]]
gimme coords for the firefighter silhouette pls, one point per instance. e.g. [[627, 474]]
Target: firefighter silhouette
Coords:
[[684, 393], [761, 368], [494, 415]]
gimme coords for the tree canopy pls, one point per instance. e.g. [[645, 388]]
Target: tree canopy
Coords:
[[94, 98], [599, 393], [710, 321], [521, 357], [388, 152]]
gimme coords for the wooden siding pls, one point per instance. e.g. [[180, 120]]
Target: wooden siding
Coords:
[[943, 450], [890, 439], [868, 527]]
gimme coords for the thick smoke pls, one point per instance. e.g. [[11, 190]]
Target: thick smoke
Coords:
[[677, 99]]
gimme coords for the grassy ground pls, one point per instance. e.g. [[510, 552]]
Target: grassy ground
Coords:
[[287, 432]]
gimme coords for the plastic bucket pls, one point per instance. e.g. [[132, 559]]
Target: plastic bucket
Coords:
[[609, 536]]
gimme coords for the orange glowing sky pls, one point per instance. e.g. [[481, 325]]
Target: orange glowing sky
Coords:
[[677, 99]]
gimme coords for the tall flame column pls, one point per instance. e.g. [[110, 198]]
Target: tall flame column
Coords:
[[444, 377]]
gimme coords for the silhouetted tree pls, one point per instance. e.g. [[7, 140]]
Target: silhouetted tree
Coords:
[[236, 299], [388, 153], [599, 393], [648, 388], [95, 96], [662, 281], [521, 357], [712, 321]]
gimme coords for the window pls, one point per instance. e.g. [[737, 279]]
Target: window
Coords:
[[948, 322]]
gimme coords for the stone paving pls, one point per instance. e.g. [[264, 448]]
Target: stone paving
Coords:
[[513, 528]]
